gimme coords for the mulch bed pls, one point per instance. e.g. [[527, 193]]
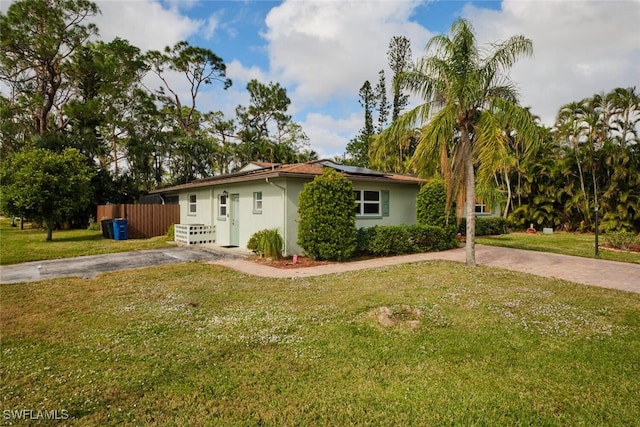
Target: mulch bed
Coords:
[[633, 248], [287, 263]]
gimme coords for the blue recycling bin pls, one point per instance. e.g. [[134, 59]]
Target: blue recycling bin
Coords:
[[120, 229]]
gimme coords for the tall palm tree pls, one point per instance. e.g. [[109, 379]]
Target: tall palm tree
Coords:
[[626, 115], [469, 100], [569, 129]]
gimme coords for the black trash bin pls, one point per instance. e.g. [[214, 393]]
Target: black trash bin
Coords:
[[107, 228], [120, 229]]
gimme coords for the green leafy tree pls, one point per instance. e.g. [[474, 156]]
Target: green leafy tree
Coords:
[[469, 101], [267, 131], [14, 127], [395, 157], [45, 186], [107, 76], [383, 155], [382, 101], [37, 41], [597, 136], [267, 110], [198, 66], [188, 150], [400, 61], [327, 225], [358, 147]]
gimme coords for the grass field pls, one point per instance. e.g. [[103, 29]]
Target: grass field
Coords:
[[577, 244], [29, 244], [198, 344]]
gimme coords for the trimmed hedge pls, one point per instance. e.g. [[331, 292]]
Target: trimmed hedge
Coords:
[[403, 239], [327, 225], [390, 240], [486, 226], [429, 238]]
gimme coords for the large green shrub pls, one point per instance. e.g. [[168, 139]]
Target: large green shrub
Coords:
[[327, 225], [431, 204]]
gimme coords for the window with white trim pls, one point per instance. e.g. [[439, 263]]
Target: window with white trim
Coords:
[[222, 206], [192, 204], [257, 202], [481, 208], [368, 202]]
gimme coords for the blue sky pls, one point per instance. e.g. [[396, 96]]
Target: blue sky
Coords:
[[323, 50]]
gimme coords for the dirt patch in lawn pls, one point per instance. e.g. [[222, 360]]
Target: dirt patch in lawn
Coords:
[[403, 315]]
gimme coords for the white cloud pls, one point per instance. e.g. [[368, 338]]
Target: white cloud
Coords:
[[580, 48], [239, 73], [327, 49], [144, 23], [329, 136], [323, 51], [213, 23]]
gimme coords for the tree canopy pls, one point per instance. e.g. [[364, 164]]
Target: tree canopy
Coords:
[[45, 186], [125, 110]]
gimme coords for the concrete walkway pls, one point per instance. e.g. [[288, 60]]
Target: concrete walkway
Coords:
[[607, 274]]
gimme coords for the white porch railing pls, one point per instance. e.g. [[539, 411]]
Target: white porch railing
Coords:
[[192, 234]]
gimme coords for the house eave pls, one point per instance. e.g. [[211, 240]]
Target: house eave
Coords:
[[258, 175]]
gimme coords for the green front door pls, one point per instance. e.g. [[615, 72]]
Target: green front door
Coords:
[[235, 222]]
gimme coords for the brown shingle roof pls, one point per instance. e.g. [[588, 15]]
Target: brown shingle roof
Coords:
[[298, 170]]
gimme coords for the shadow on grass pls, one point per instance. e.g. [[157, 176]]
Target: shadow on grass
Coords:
[[84, 238]]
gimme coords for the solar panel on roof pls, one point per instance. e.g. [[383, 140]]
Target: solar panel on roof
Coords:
[[353, 170]]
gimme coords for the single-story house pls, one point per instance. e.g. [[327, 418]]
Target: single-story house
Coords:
[[234, 206]]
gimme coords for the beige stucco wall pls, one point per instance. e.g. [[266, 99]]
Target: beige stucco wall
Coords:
[[272, 214], [402, 204], [203, 207]]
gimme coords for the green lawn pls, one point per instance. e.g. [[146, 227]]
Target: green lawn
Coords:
[[29, 244], [578, 244], [197, 344]]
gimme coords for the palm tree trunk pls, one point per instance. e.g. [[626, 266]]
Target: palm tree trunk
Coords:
[[508, 205], [582, 188], [470, 189]]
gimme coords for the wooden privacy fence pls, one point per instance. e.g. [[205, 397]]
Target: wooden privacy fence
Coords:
[[143, 220]]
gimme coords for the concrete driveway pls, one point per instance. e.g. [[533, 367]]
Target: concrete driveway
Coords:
[[90, 266]]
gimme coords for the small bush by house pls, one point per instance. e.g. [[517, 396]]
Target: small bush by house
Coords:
[[621, 239], [267, 242], [486, 226]]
